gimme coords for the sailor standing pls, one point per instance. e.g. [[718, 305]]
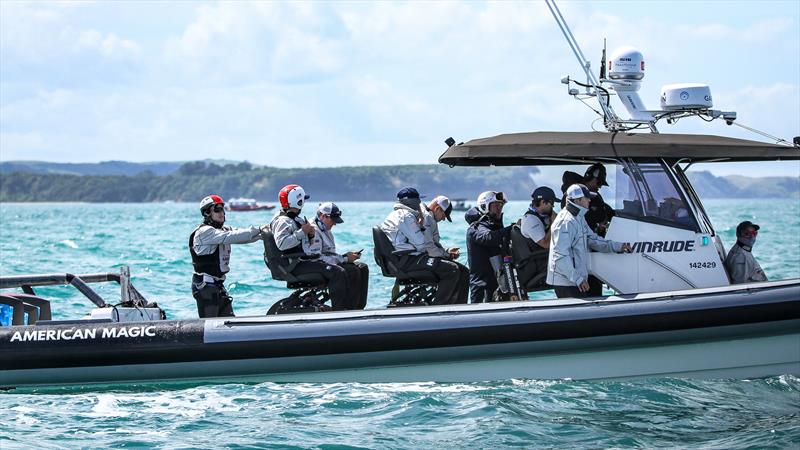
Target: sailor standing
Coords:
[[210, 247], [568, 263], [740, 262], [328, 216]]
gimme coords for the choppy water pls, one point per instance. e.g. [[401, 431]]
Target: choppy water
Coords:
[[152, 239]]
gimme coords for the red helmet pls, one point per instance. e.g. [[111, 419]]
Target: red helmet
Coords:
[[293, 196], [209, 201]]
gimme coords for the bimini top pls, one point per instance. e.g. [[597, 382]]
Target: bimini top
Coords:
[[560, 148]]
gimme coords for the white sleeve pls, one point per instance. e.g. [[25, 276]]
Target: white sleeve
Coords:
[[208, 235], [532, 228]]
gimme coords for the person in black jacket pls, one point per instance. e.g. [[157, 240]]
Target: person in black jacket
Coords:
[[485, 238]]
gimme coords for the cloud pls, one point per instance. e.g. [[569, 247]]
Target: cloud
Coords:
[[351, 83]]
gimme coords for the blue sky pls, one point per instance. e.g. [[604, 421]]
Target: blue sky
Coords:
[[328, 84]]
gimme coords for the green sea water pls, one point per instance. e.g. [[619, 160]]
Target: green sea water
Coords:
[[152, 240]]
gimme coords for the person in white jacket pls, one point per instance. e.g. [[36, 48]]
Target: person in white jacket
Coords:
[[403, 227], [298, 241], [328, 216], [571, 239], [210, 247], [434, 212]]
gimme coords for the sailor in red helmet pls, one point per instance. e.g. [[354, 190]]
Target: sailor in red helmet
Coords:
[[210, 247], [294, 235]]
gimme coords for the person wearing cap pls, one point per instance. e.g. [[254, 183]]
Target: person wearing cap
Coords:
[[403, 227], [486, 237], [536, 221], [298, 241], [740, 262], [568, 262], [434, 212], [210, 248], [328, 216], [600, 213]]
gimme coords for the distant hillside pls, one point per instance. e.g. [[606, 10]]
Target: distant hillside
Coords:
[[101, 168], [119, 181], [738, 186], [194, 180]]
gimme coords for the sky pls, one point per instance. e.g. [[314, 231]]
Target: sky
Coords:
[[302, 84]]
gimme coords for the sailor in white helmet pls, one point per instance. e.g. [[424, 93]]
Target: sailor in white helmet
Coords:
[[403, 228], [328, 216], [568, 263], [294, 235], [434, 212], [210, 247], [485, 239]]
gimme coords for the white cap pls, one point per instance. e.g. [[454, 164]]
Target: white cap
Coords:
[[578, 190], [445, 204]]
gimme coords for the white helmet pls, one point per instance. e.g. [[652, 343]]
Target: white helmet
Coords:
[[292, 196], [489, 197]]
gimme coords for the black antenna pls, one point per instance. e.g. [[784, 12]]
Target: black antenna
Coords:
[[603, 61]]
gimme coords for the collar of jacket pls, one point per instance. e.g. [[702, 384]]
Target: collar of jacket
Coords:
[[575, 210], [409, 209], [320, 224]]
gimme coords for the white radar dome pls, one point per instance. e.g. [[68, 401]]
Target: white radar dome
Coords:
[[685, 96], [626, 63]]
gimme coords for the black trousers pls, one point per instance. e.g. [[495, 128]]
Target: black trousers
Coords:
[[334, 275], [570, 291], [357, 284], [595, 286], [462, 287], [212, 299], [446, 271]]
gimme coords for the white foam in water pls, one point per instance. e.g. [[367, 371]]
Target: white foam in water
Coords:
[[69, 243]]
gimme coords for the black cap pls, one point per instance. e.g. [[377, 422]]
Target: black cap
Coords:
[[408, 192], [543, 193], [744, 226], [598, 171]]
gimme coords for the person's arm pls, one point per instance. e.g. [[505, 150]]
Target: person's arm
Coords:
[[410, 229], [602, 245], [533, 229], [285, 236], [490, 238], [738, 269], [432, 243], [215, 236], [561, 254]]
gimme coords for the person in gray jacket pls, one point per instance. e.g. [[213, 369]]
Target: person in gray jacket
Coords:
[[568, 262], [740, 263], [434, 212], [328, 216], [298, 241], [210, 248], [403, 227]]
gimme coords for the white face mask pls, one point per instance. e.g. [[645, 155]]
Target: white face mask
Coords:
[[581, 210]]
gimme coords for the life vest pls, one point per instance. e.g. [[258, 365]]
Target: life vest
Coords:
[[208, 264]]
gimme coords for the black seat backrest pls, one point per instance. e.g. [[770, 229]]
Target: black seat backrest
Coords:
[[526, 252], [278, 265], [384, 257]]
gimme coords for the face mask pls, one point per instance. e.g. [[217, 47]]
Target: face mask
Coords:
[[748, 241]]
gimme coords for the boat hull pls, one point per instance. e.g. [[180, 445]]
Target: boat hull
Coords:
[[740, 332]]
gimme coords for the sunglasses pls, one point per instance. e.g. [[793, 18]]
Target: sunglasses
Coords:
[[751, 233], [218, 208]]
